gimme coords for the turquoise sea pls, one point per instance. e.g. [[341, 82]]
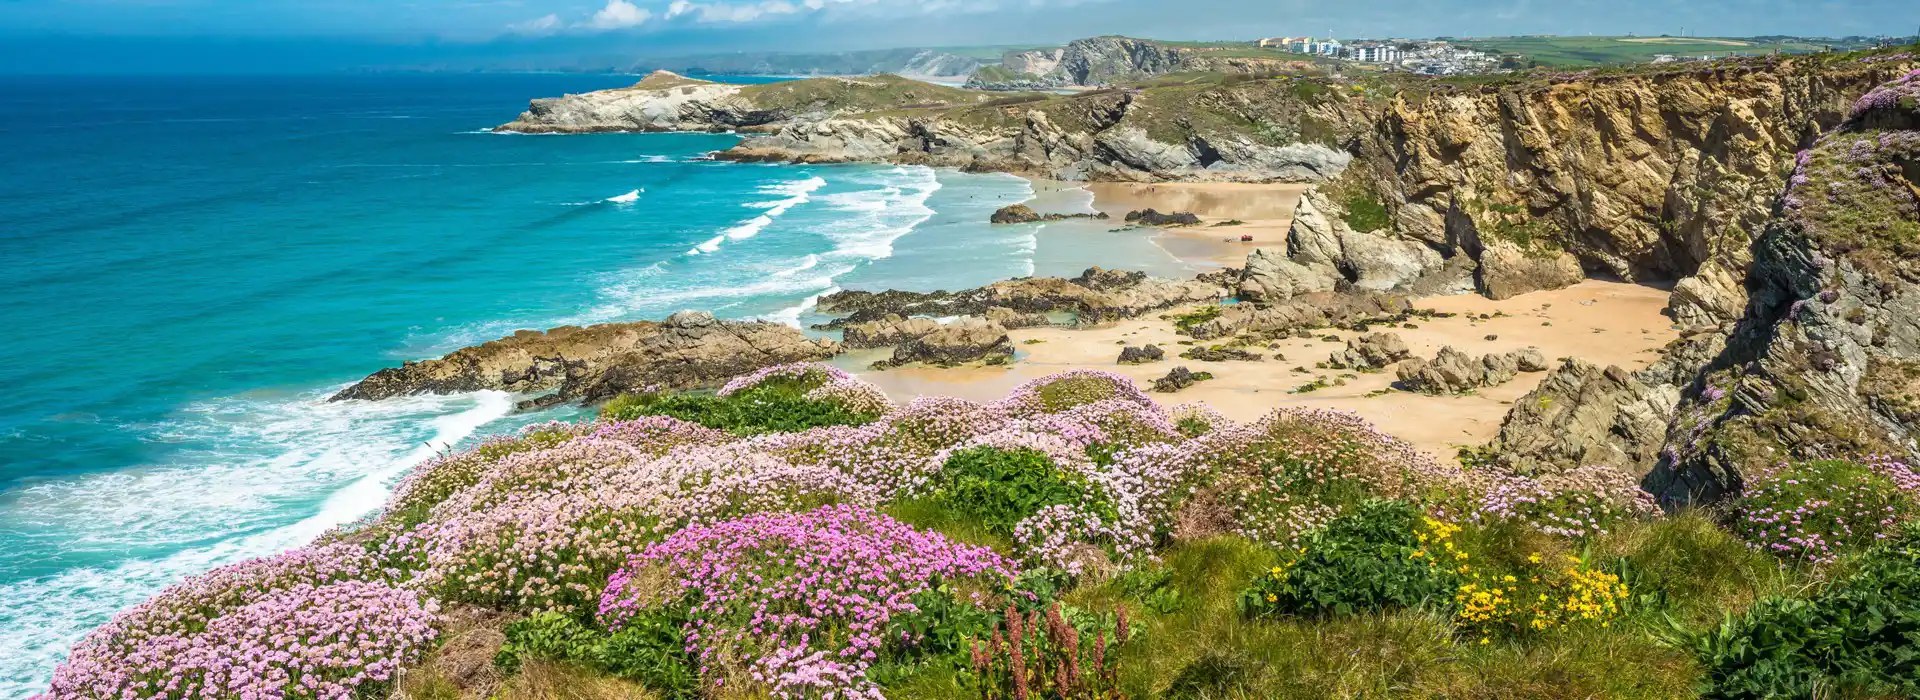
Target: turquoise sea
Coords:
[[189, 266]]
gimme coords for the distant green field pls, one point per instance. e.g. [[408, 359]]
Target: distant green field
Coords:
[[1602, 50]]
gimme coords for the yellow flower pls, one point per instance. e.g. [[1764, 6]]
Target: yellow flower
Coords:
[[1535, 557], [1276, 569], [1484, 640], [1272, 598]]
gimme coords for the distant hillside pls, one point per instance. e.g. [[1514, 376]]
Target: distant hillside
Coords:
[[921, 62], [1609, 50]]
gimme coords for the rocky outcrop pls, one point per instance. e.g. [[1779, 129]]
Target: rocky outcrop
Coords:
[[1370, 352], [887, 331], [1179, 379], [1096, 296], [1131, 355], [689, 350], [1221, 353], [1303, 312], [961, 342], [1010, 319], [1022, 214], [1508, 271], [1323, 252], [1150, 217], [1584, 415], [1825, 362], [664, 101], [1455, 372]]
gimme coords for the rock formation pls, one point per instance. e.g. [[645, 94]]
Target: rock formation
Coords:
[[1583, 415], [1022, 214], [665, 101], [1370, 352], [1308, 311], [1825, 363], [1131, 355], [966, 340], [1323, 251], [887, 331], [1095, 296], [1178, 379], [1149, 217], [1221, 353], [1455, 372], [691, 349]]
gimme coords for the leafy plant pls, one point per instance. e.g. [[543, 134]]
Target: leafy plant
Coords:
[[1153, 588], [650, 649], [1363, 561], [1860, 637], [999, 488]]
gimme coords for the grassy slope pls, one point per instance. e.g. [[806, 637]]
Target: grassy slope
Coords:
[[1603, 50], [865, 94]]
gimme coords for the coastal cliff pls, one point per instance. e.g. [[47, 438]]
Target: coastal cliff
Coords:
[[1111, 60], [665, 101]]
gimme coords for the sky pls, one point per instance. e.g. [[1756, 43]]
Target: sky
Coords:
[[270, 35]]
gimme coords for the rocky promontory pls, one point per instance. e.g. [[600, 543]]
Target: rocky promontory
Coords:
[[690, 349]]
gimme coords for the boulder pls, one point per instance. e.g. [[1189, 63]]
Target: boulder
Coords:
[[1178, 379], [1455, 372], [1015, 214], [689, 350], [1011, 319], [1383, 264], [966, 340], [1131, 355], [1150, 217], [1371, 352], [1584, 415], [888, 331], [1271, 276], [1507, 270]]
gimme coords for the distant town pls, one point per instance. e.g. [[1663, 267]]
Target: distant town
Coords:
[[1447, 56]]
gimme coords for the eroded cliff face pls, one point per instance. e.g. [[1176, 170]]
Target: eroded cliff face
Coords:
[[1645, 176], [1825, 363]]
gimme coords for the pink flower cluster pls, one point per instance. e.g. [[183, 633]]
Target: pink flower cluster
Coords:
[[1900, 93], [317, 622], [801, 601], [825, 382], [1579, 502], [1059, 392], [1817, 511]]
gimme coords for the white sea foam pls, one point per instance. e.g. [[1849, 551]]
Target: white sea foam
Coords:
[[220, 504], [650, 159], [877, 217], [806, 263], [793, 194], [627, 198], [791, 314]]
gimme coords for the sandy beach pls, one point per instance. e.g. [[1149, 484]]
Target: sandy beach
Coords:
[[1602, 322], [1606, 323]]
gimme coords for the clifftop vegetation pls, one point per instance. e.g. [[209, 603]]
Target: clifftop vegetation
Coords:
[[798, 535]]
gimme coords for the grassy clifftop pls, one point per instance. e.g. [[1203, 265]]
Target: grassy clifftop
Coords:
[[799, 535]]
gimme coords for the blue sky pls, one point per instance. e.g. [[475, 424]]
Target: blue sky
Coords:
[[48, 34]]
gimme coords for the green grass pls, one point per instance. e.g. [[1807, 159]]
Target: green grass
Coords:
[[1578, 51], [865, 94]]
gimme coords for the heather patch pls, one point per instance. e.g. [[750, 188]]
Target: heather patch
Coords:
[[1817, 511], [795, 604]]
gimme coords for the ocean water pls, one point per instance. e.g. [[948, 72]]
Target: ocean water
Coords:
[[191, 265]]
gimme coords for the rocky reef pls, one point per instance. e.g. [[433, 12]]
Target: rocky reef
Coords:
[[1096, 295], [689, 350], [1455, 372]]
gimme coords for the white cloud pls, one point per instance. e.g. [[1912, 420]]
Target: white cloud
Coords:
[[619, 14], [541, 26]]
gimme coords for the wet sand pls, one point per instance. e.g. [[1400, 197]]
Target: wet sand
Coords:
[[1265, 212], [1606, 323]]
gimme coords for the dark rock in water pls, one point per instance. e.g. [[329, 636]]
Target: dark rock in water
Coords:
[[1455, 372], [1023, 214], [691, 349], [1150, 217], [1101, 279], [1370, 352], [1222, 354], [1015, 214], [961, 342], [1178, 379], [1131, 355]]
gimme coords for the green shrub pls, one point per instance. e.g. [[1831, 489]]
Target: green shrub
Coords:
[[1365, 213], [1362, 561], [1152, 588], [1859, 638], [649, 649], [999, 488], [1186, 322], [772, 406]]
